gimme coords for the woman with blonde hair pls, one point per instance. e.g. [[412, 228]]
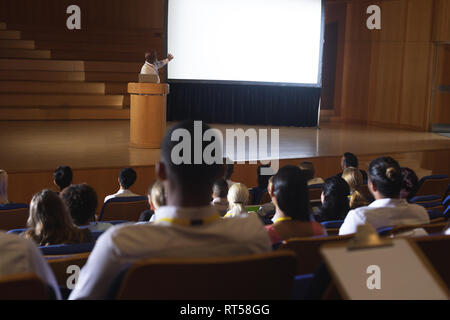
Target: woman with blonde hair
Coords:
[[237, 198], [50, 223], [3, 187], [354, 179]]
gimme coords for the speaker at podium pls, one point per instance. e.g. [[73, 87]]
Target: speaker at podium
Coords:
[[148, 113]]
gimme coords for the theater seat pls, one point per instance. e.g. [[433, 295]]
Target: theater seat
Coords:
[[62, 249], [433, 185], [301, 286], [332, 224], [307, 253], [124, 208], [253, 277], [13, 216], [25, 286]]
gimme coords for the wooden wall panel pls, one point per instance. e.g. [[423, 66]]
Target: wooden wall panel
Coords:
[[441, 23], [402, 62], [385, 76], [127, 14], [355, 82], [416, 81]]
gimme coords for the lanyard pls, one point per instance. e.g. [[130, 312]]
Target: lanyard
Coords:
[[282, 219], [188, 222]]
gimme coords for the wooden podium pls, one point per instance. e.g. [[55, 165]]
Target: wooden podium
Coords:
[[148, 114]]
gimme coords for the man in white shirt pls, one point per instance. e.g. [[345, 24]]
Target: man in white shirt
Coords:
[[19, 255], [388, 209], [189, 226], [152, 64], [127, 177]]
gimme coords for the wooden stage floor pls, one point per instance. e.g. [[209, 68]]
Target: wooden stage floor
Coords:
[[30, 146], [97, 150]]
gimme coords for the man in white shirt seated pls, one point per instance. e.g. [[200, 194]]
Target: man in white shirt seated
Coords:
[[188, 226], [127, 177], [152, 64], [19, 255], [388, 209]]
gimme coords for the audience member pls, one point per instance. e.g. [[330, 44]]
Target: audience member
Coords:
[[335, 202], [81, 199], [3, 188], [267, 210], [62, 177], [237, 200], [257, 192], [350, 160], [289, 194], [18, 256], [385, 182], [156, 199], [219, 195], [410, 183], [354, 179], [49, 222], [310, 172], [176, 231], [126, 179]]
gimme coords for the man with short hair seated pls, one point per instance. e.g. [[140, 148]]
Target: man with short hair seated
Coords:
[[19, 255], [81, 199], [188, 226], [127, 178]]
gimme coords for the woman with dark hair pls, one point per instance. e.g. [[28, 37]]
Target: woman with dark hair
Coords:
[[289, 193], [410, 183], [335, 202], [385, 182], [50, 223]]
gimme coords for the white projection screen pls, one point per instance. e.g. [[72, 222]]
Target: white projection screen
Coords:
[[269, 41]]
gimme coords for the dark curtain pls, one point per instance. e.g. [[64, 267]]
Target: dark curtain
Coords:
[[244, 104]]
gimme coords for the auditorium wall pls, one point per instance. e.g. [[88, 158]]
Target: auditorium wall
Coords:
[[95, 14], [388, 74]]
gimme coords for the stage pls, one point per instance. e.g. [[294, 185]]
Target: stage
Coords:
[[97, 150]]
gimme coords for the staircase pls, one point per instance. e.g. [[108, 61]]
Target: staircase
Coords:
[[62, 75]]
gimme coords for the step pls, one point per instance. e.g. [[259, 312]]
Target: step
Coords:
[[17, 44], [70, 65], [25, 54], [64, 114], [2, 26], [68, 76], [9, 34], [60, 101], [54, 87], [98, 56], [137, 47]]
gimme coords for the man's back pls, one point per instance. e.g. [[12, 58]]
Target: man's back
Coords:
[[121, 246], [18, 255]]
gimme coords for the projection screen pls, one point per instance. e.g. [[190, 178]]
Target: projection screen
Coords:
[[245, 41]]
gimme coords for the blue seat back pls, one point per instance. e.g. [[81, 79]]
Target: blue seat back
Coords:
[[383, 231], [67, 248], [13, 206], [301, 286], [332, 224]]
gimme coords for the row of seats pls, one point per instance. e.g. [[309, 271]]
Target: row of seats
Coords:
[[15, 216], [296, 261]]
